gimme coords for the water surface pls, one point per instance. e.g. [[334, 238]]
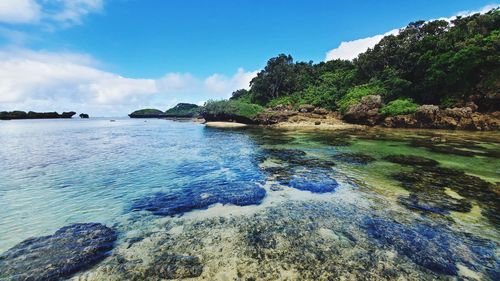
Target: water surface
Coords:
[[258, 204]]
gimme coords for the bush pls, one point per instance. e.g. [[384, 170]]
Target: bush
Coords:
[[355, 95], [231, 109], [399, 107]]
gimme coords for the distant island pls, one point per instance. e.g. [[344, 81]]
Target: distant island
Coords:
[[181, 110], [12, 115]]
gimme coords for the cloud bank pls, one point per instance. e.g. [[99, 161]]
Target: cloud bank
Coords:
[[42, 81]]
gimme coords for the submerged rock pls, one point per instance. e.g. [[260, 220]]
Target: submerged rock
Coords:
[[434, 247], [200, 196], [428, 188], [71, 249], [168, 266], [299, 171], [411, 160], [355, 158], [316, 181]]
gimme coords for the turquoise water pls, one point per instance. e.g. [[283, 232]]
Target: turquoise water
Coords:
[[262, 204]]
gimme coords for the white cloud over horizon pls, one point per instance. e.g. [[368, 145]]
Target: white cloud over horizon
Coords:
[[349, 50], [45, 81]]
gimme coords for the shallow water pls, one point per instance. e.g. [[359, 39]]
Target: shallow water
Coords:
[[257, 204]]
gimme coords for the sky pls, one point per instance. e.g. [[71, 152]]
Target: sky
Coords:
[[110, 57]]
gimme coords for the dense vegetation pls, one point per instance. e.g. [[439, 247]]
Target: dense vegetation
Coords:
[[183, 110], [8, 115], [236, 110], [437, 62]]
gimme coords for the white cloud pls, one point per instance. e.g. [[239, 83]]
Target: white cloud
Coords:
[[349, 50], [49, 12], [45, 81], [19, 11]]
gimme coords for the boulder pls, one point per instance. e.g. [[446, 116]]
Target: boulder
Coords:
[[427, 113], [53, 257], [365, 112], [83, 115], [321, 111], [304, 108]]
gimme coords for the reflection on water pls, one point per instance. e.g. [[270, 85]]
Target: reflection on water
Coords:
[[256, 204]]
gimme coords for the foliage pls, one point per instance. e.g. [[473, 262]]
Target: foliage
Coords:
[[147, 111], [399, 107], [231, 107], [183, 110], [355, 95]]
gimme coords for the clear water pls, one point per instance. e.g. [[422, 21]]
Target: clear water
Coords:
[[58, 172]]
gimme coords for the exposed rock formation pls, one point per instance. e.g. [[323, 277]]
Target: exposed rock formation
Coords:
[[84, 115], [365, 112], [432, 117]]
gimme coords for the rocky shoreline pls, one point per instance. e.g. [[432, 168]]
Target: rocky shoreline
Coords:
[[367, 113]]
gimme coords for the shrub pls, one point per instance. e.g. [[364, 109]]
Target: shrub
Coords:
[[355, 95], [231, 108], [399, 107]]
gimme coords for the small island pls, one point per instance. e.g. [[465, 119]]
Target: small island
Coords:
[[84, 116], [181, 110], [13, 115]]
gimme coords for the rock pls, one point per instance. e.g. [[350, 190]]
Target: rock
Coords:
[[411, 160], [320, 111], [365, 112], [71, 249], [83, 115], [168, 266], [428, 185], [472, 106], [427, 113], [432, 246], [355, 158], [305, 108], [200, 195], [400, 121], [317, 123]]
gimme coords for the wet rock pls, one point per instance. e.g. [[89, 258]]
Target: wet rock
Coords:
[[168, 266], [428, 186], [365, 112], [84, 116], [411, 160], [54, 257], [315, 181], [331, 139], [434, 247], [200, 195], [355, 158]]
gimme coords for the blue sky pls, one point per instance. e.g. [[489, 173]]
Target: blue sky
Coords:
[[110, 56]]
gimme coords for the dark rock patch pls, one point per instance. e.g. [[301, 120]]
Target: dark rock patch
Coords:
[[332, 140], [201, 195], [169, 266], [54, 257], [434, 247], [411, 160], [355, 158], [427, 186], [315, 181]]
